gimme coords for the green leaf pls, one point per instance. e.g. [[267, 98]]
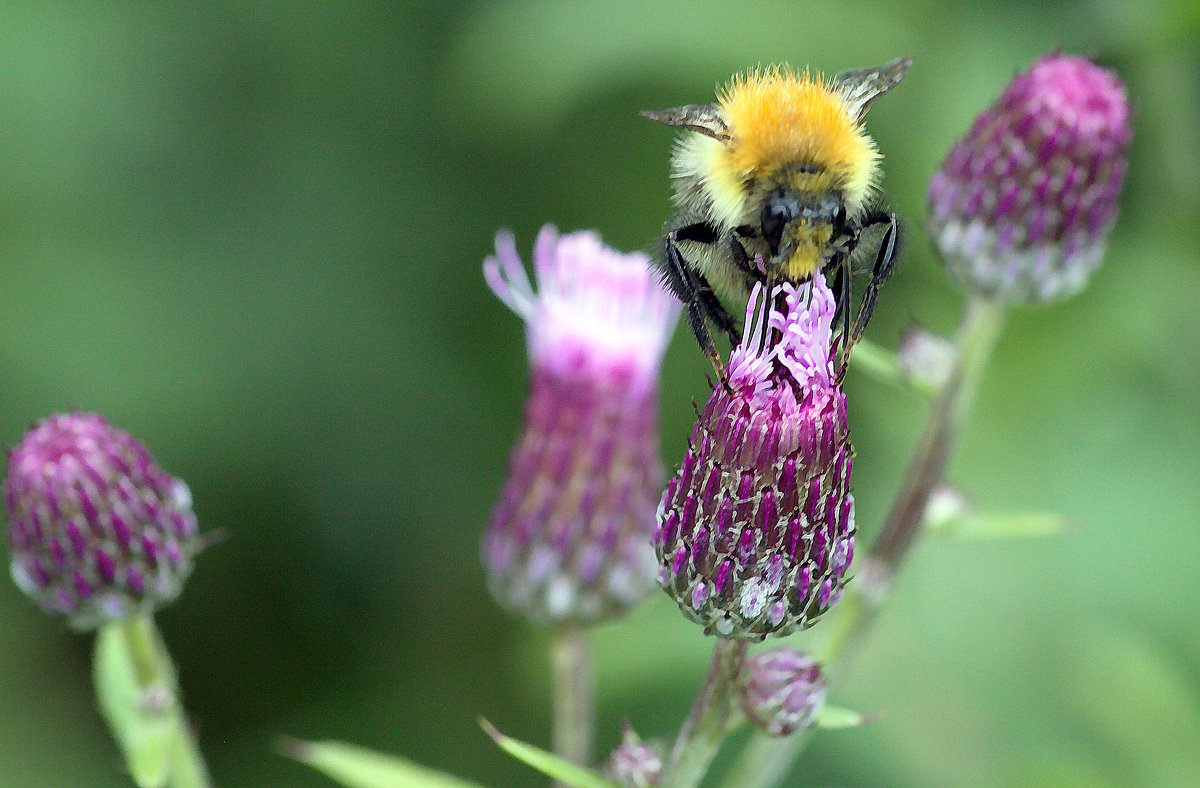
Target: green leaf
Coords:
[[358, 767], [1006, 525], [835, 718], [550, 765]]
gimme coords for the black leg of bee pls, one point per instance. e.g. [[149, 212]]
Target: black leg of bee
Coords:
[[842, 288], [704, 233], [740, 257], [717, 313], [698, 301], [885, 262]]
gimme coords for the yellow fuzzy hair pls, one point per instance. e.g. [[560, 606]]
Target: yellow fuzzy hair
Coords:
[[778, 117]]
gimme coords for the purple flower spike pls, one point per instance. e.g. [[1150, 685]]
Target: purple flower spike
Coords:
[[569, 539], [78, 495], [779, 447], [1022, 206], [782, 690]]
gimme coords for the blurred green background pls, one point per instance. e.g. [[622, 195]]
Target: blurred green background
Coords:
[[251, 234]]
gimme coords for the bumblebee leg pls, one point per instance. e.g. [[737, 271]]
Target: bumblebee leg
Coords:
[[698, 301], [717, 313], [885, 262], [740, 256], [714, 310], [842, 279]]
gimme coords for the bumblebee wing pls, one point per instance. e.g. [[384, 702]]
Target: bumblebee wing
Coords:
[[862, 86], [702, 118]]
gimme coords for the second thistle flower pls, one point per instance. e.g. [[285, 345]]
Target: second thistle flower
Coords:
[[756, 529], [569, 537]]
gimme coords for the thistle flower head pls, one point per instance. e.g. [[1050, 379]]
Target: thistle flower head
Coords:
[[1022, 206], [98, 530], [569, 537], [781, 690], [756, 529]]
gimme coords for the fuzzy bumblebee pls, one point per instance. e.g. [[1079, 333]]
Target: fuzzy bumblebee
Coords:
[[773, 181]]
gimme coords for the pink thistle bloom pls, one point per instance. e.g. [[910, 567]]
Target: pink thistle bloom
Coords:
[[98, 530], [1022, 206], [756, 529], [569, 539]]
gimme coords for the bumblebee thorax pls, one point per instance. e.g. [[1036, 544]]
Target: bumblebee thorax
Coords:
[[796, 129]]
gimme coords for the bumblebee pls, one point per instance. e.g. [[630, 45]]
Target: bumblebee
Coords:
[[773, 182]]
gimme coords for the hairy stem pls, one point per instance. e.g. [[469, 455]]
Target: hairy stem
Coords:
[[701, 734], [574, 696]]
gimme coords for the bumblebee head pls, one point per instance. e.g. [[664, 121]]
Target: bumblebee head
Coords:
[[798, 227]]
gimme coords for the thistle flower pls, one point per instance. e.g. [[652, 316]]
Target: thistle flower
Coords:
[[98, 530], [756, 529], [1022, 206], [782, 690], [569, 537]]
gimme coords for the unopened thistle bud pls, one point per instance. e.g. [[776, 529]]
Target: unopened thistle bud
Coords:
[[756, 529], [634, 763], [569, 539], [98, 530], [1022, 206], [782, 690]]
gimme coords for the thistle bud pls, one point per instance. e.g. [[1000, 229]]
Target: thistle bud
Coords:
[[756, 529], [1022, 206], [634, 763], [782, 690], [569, 538], [98, 530]]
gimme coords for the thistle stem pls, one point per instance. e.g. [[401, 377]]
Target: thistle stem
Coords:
[[707, 723], [764, 762], [980, 328], [156, 680], [574, 695]]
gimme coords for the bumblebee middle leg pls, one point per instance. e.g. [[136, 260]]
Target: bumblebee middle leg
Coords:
[[885, 263]]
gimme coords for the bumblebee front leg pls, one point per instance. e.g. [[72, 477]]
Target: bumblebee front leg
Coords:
[[698, 300]]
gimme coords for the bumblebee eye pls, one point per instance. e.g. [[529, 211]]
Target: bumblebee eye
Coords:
[[778, 211]]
